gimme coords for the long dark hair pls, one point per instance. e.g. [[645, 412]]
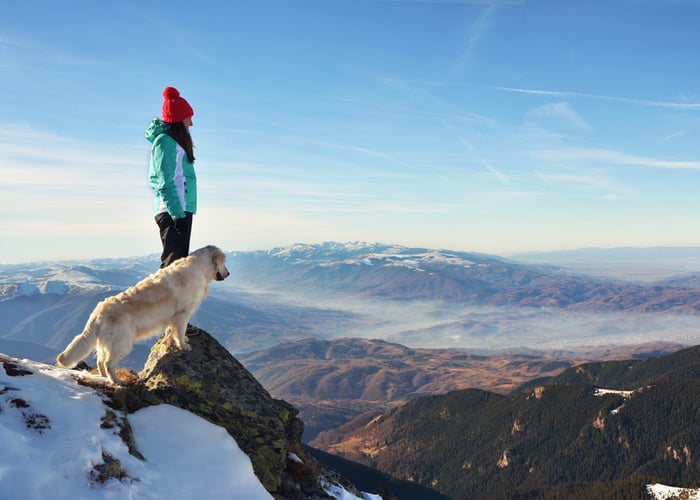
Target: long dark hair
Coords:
[[182, 136]]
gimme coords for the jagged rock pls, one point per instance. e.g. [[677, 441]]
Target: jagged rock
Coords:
[[110, 468], [209, 382]]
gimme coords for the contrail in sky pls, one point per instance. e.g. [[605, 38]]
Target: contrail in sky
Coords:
[[627, 100]]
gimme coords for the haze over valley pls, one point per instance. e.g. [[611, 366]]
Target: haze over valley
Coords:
[[420, 298]]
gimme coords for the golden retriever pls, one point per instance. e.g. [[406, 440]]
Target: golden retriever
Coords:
[[164, 300]]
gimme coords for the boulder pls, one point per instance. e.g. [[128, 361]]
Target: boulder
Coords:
[[209, 382]]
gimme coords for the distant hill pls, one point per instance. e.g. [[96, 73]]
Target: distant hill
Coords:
[[628, 374], [549, 441], [627, 263], [690, 280], [400, 273]]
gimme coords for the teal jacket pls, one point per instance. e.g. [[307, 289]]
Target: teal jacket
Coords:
[[171, 173]]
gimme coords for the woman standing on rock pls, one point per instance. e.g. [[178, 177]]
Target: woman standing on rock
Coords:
[[172, 176]]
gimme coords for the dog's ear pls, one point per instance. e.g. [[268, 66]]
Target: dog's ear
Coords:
[[220, 271], [219, 259]]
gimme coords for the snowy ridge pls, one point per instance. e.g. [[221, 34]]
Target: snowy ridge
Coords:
[[52, 286], [53, 432], [61, 278], [368, 254]]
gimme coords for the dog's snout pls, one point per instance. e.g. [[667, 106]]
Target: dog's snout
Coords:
[[222, 275]]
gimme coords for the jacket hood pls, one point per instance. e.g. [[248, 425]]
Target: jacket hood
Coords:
[[156, 128]]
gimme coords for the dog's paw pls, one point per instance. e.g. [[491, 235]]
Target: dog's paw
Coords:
[[186, 347]]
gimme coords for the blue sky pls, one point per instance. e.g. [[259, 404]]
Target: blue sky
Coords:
[[496, 127]]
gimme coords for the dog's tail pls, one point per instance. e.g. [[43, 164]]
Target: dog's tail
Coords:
[[79, 348]]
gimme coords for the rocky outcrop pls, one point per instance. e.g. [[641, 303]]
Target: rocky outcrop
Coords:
[[209, 382]]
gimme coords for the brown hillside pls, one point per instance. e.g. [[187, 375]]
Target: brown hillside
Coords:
[[331, 382]]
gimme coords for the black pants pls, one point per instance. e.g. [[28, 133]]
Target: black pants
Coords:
[[176, 244]]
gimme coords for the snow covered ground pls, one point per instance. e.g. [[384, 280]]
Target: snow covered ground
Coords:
[[52, 438]]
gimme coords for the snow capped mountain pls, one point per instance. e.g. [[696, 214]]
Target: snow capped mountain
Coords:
[[374, 270], [369, 254], [316, 251], [89, 277]]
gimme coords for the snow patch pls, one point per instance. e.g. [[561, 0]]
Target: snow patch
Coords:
[[340, 493], [52, 438], [624, 394], [54, 286], [663, 492], [603, 392]]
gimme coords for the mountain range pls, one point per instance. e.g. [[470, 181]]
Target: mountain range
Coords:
[[400, 273], [634, 264], [413, 296]]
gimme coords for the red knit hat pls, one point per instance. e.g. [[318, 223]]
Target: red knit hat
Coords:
[[175, 108]]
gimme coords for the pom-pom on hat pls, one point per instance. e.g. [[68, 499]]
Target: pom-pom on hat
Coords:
[[175, 108]]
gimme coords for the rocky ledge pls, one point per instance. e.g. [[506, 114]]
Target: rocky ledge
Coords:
[[209, 382]]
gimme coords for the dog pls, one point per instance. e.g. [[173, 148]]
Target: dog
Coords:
[[165, 300]]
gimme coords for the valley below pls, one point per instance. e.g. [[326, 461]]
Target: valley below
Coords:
[[605, 429], [332, 382]]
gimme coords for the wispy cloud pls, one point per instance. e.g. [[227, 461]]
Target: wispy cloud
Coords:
[[476, 30], [497, 174], [372, 153], [596, 180], [559, 114], [589, 179], [63, 171], [19, 142], [16, 52], [609, 157], [626, 100], [673, 135], [172, 32]]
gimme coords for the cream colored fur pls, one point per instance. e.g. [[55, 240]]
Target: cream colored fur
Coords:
[[162, 301]]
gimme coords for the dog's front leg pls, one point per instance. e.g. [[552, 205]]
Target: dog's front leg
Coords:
[[177, 332]]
